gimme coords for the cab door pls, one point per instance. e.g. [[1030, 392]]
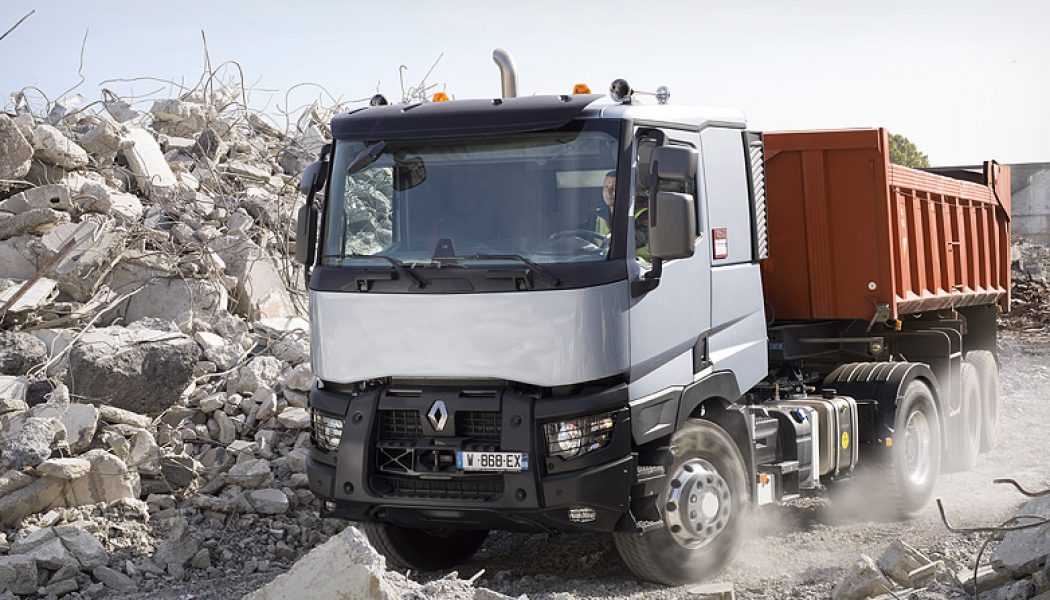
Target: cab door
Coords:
[[668, 324]]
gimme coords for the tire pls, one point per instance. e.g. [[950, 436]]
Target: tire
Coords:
[[988, 376], [424, 549], [915, 458], [707, 461], [965, 442]]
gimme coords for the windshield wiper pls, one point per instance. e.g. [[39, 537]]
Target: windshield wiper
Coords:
[[538, 270], [400, 266]]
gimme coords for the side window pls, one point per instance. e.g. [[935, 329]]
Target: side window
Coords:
[[647, 141]]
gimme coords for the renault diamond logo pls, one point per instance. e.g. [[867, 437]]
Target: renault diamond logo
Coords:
[[438, 415]]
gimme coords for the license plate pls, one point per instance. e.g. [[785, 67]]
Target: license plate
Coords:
[[492, 461]]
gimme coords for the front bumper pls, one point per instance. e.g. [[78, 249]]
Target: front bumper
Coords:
[[393, 466]]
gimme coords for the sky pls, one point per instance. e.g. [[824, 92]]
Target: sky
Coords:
[[965, 80]]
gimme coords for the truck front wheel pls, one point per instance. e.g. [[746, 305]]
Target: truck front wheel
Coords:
[[424, 549], [703, 505]]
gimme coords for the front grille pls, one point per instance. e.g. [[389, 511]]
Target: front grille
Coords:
[[484, 487], [478, 425], [400, 425]]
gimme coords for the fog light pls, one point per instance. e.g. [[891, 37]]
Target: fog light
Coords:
[[575, 437], [582, 514], [326, 431]]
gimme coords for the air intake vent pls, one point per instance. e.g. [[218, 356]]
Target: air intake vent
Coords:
[[756, 183]]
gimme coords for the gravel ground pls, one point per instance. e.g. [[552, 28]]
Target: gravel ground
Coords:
[[802, 549]]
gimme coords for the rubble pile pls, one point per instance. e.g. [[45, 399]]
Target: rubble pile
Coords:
[[154, 358], [1018, 568], [1030, 299]]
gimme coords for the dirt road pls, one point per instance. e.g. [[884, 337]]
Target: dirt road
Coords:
[[801, 550]]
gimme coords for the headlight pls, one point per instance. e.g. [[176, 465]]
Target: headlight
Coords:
[[576, 437], [327, 430]]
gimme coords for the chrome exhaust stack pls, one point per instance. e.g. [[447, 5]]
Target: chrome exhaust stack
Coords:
[[507, 72]]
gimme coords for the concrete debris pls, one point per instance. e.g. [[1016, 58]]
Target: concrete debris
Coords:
[[46, 196], [64, 468], [53, 147], [153, 175], [900, 562], [30, 444], [16, 152], [18, 575], [26, 296], [13, 393], [19, 352], [361, 570], [864, 580], [140, 370], [34, 221], [1023, 552]]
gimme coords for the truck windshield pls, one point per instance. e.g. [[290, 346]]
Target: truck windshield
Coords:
[[535, 196]]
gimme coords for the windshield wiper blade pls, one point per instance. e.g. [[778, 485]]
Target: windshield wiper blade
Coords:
[[401, 267], [540, 271]]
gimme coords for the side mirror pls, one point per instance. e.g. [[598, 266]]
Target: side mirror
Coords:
[[313, 177], [306, 234], [672, 226], [674, 163]]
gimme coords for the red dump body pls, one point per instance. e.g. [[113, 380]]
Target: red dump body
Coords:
[[848, 231]]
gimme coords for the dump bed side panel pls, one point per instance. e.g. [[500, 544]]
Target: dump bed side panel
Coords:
[[850, 232]]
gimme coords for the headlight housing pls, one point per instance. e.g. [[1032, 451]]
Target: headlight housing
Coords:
[[327, 430], [573, 438]]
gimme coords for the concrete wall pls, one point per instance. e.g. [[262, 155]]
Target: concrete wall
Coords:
[[1030, 185]]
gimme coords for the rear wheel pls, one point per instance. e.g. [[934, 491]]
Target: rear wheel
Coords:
[[915, 457], [988, 378], [424, 549], [703, 506], [966, 429]]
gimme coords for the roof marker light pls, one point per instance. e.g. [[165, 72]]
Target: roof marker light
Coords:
[[440, 97], [581, 88]]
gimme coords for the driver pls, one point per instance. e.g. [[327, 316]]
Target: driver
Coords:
[[603, 216]]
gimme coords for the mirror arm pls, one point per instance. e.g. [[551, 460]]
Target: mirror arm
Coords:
[[649, 281]]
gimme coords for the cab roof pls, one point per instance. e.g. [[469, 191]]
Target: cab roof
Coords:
[[510, 115]]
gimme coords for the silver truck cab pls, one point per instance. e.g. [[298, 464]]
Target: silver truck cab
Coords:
[[496, 347]]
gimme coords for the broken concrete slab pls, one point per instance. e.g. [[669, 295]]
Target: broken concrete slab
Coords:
[[180, 117], [19, 352], [267, 501], [1023, 552], [18, 575], [16, 152], [260, 372], [30, 444], [13, 393], [78, 420], [103, 141], [141, 370], [119, 416], [146, 161], [85, 547], [114, 580], [899, 560], [38, 293], [96, 248], [36, 221], [54, 196], [17, 257], [108, 480], [361, 571], [36, 497], [53, 147], [250, 474], [64, 468], [862, 581], [260, 292]]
